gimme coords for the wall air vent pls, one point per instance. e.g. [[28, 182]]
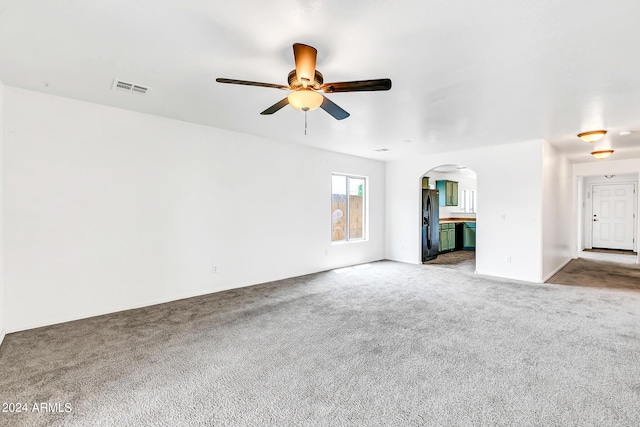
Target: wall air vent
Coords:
[[128, 87]]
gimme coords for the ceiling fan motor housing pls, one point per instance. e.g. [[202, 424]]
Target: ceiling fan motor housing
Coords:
[[295, 84]]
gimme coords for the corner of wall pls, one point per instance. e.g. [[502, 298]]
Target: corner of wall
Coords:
[[556, 211], [2, 310]]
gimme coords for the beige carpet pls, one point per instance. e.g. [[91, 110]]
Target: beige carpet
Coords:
[[389, 345]]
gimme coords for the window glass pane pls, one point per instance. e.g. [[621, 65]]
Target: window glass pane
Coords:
[[338, 207], [356, 208], [348, 206], [463, 200]]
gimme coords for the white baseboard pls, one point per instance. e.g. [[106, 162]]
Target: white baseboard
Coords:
[[550, 275], [20, 328], [111, 310], [1, 336], [157, 301]]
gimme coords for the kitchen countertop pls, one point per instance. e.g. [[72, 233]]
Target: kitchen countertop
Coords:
[[455, 220]]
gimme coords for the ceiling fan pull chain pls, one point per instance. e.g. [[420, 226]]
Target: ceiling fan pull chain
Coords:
[[305, 122]]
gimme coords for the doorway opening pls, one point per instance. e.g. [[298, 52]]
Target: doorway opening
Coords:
[[608, 220], [449, 201]]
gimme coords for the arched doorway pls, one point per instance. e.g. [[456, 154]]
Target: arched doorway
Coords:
[[449, 196]]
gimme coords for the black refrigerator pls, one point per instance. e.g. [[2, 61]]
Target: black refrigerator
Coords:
[[430, 229]]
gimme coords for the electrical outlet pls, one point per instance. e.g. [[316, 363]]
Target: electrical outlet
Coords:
[[509, 259], [214, 269]]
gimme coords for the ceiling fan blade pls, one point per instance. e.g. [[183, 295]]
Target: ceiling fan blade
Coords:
[[333, 109], [362, 85], [248, 83], [275, 107], [305, 57]]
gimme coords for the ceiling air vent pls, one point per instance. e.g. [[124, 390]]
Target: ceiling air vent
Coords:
[[128, 87], [139, 89]]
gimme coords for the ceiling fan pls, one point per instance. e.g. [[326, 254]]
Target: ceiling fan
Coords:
[[306, 82]]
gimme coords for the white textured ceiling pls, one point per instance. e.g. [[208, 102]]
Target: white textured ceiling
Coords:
[[465, 73]]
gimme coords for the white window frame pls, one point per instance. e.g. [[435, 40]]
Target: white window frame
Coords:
[[462, 200], [467, 200], [472, 201], [365, 209]]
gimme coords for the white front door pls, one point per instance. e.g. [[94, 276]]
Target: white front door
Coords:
[[613, 216]]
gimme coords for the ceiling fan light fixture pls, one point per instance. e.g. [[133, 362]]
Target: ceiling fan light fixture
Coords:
[[602, 154], [305, 100], [305, 82], [592, 136]]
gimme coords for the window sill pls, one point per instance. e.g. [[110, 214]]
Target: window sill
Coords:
[[344, 242]]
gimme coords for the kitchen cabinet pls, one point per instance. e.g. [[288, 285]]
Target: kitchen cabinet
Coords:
[[448, 192], [469, 236], [447, 237], [444, 238], [452, 237]]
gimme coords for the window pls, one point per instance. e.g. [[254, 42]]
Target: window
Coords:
[[347, 207], [472, 201], [462, 200], [467, 200]]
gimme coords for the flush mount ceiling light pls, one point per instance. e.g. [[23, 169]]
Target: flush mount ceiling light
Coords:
[[602, 154], [592, 136]]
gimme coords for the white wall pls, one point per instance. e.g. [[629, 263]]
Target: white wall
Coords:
[[2, 308], [557, 198], [601, 168], [607, 167], [509, 207], [108, 209]]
